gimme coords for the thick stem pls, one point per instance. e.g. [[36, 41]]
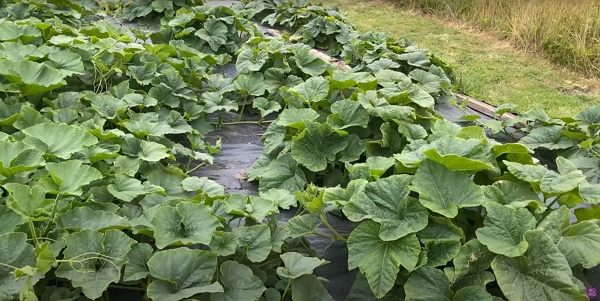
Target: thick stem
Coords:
[[287, 288], [336, 234], [52, 216], [548, 211], [242, 110], [324, 235], [195, 168]]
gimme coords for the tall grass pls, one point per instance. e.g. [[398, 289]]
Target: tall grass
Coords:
[[567, 32]]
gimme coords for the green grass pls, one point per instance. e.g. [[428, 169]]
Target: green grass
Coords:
[[487, 68], [564, 31]]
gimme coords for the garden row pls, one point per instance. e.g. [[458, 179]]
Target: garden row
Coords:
[[102, 126]]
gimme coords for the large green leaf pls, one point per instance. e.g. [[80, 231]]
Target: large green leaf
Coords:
[[31, 77], [145, 150], [452, 152], [282, 173], [214, 101], [58, 139], [137, 267], [302, 225], [297, 265], [504, 229], [440, 251], [203, 185], [309, 288], [341, 196], [380, 260], [441, 228], [67, 177], [143, 74], [250, 60], [126, 188], [427, 80], [514, 194], [28, 117], [470, 265], [428, 284], [360, 291], [283, 198], [549, 137], [15, 252], [250, 84], [444, 191], [106, 105], [265, 106], [225, 244], [11, 31], [94, 259], [9, 220], [317, 145], [347, 113], [549, 181], [474, 293], [239, 283], [309, 63], [343, 80], [29, 202], [152, 124], [186, 223], [181, 273], [81, 218], [17, 51], [579, 243], [542, 273], [66, 62], [313, 90], [18, 157], [214, 32], [256, 240], [296, 118], [386, 201]]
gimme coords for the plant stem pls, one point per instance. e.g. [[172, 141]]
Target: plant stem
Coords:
[[287, 288], [548, 211], [336, 234], [8, 266], [195, 168], [324, 235], [33, 234], [187, 166], [552, 203], [242, 110], [51, 216]]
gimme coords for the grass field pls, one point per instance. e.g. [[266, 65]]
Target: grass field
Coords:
[[566, 32], [488, 69]]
